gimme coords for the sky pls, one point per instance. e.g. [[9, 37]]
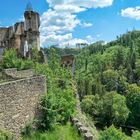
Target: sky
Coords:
[[67, 22]]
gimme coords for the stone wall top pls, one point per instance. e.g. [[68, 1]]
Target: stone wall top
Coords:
[[13, 73]]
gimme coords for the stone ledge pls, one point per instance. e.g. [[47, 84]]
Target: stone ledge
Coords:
[[15, 74]]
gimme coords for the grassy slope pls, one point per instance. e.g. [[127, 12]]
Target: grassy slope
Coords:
[[66, 132]]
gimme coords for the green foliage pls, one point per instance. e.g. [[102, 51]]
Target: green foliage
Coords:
[[136, 135], [110, 79], [35, 55], [137, 70], [61, 51], [110, 109], [4, 135], [65, 132], [11, 60], [133, 103], [58, 105], [114, 109], [111, 67], [112, 133], [119, 58], [54, 61], [59, 102], [87, 104], [28, 129]]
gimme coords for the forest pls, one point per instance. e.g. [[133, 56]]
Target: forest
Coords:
[[108, 79]]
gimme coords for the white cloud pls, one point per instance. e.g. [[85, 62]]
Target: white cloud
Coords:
[[58, 23], [51, 21], [72, 42], [54, 39], [61, 40], [82, 3], [68, 8], [85, 24], [131, 12]]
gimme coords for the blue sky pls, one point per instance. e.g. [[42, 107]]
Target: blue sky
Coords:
[[67, 22]]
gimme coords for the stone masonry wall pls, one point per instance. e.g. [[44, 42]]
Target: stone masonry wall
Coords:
[[19, 101], [14, 74]]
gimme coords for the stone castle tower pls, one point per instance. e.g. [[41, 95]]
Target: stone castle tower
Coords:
[[23, 35]]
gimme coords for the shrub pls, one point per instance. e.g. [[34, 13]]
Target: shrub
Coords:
[[28, 129], [57, 106], [136, 135], [112, 133], [10, 60], [4, 135]]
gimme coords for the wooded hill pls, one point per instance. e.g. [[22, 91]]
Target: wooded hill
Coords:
[[108, 78]]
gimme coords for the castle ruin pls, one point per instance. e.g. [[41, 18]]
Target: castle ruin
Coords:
[[22, 35]]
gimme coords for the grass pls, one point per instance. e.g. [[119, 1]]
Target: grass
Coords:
[[66, 132]]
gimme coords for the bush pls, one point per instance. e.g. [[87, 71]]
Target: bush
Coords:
[[59, 103], [4, 135], [10, 60], [136, 135], [133, 103], [57, 106], [28, 129], [28, 64], [112, 133]]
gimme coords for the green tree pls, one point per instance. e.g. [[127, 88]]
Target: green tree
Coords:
[[138, 45], [112, 133], [54, 60], [87, 104], [137, 71], [114, 110], [133, 103], [59, 102], [119, 58], [110, 109], [110, 79]]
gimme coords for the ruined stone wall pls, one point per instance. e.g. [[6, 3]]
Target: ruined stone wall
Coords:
[[14, 74], [19, 101], [16, 36], [3, 34]]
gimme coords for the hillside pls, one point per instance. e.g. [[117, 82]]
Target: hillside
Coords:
[[108, 78]]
